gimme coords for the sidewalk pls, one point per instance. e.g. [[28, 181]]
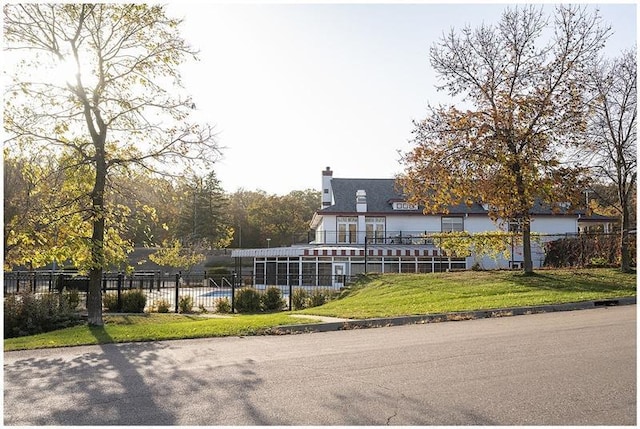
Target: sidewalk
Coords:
[[337, 324]]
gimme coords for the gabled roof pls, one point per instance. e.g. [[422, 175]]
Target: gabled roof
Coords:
[[381, 193]]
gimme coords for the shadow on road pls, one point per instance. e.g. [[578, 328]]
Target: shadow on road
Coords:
[[127, 384]]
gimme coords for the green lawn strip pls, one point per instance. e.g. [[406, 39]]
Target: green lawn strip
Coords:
[[383, 296], [411, 294], [153, 327]]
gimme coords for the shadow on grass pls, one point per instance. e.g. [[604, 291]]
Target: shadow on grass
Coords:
[[100, 334], [579, 281]]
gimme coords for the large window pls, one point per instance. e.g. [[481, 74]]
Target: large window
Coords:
[[375, 227], [452, 224], [347, 229]]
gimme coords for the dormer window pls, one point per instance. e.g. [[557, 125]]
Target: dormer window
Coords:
[[452, 224]]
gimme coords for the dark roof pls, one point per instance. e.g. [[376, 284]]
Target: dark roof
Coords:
[[381, 193]]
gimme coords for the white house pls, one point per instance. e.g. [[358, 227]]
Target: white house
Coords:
[[365, 225]]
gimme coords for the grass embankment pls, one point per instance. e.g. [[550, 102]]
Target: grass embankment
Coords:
[[153, 327], [410, 294], [380, 296]]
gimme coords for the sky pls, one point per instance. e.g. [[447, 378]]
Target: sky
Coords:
[[294, 88]]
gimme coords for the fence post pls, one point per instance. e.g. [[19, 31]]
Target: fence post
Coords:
[[233, 293], [177, 291], [119, 289], [290, 293]]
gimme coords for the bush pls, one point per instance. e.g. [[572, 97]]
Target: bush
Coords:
[[28, 314], [110, 302], [163, 306], [321, 296], [582, 251], [299, 299], [222, 305], [72, 298], [317, 298], [247, 300], [185, 304], [272, 299], [132, 301]]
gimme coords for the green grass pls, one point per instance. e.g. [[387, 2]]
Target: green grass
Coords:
[[411, 294], [153, 327], [381, 296]]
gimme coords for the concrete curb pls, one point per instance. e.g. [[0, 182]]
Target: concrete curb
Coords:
[[448, 317]]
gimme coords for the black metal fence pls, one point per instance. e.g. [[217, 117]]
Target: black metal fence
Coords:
[[162, 288]]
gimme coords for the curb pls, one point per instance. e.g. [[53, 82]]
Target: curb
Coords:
[[448, 317]]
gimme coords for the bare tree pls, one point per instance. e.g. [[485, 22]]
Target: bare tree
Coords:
[[525, 80], [119, 106], [612, 136]]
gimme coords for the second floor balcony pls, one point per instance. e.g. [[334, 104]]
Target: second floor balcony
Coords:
[[378, 237]]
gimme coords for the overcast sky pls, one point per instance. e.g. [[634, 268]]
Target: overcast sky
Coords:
[[294, 88]]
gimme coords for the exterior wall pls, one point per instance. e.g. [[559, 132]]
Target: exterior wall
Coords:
[[425, 223], [555, 225], [479, 223]]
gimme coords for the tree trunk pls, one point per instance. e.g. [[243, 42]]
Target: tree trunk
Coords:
[[625, 254], [526, 247], [94, 301]]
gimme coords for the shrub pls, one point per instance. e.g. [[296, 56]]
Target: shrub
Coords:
[[247, 300], [72, 298], [110, 302], [317, 298], [581, 251], [299, 299], [321, 296], [272, 299], [163, 306], [222, 305], [185, 304], [27, 314], [133, 301]]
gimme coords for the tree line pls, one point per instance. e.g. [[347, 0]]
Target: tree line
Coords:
[[43, 223]]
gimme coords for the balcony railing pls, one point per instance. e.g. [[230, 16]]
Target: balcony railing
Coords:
[[372, 238]]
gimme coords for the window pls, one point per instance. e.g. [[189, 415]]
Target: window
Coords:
[[452, 224], [347, 229], [515, 225], [375, 229]]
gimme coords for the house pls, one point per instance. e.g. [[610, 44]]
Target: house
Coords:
[[365, 225]]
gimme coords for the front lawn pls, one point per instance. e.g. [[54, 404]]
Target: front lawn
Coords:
[[154, 327], [378, 296], [410, 294]]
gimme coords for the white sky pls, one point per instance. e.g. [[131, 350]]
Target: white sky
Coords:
[[294, 88]]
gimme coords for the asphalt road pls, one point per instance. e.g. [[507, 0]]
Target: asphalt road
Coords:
[[570, 368]]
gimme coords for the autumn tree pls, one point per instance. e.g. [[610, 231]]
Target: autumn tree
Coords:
[[246, 233], [524, 80], [283, 219], [101, 82], [612, 137]]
